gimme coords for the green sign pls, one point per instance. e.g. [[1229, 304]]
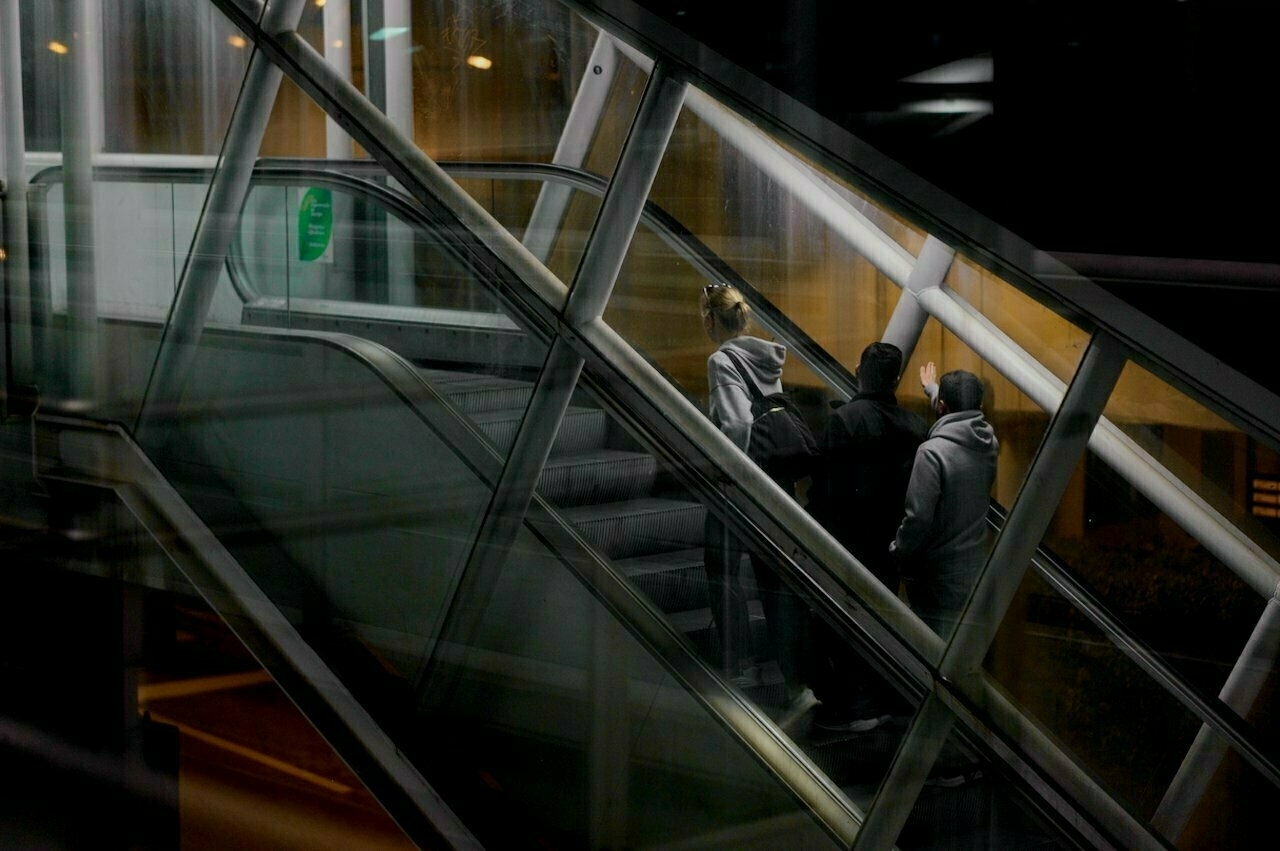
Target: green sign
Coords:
[[315, 224]]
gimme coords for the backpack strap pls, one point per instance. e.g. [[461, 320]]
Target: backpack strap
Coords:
[[744, 374]]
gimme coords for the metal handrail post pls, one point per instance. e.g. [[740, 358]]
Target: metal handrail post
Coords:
[[212, 238], [1064, 443]]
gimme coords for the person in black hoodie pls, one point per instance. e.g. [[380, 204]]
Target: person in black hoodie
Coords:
[[942, 539], [868, 447]]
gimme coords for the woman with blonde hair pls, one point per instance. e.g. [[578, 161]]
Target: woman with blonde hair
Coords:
[[740, 357]]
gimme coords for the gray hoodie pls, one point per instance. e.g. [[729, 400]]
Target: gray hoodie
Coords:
[[730, 400], [949, 493]]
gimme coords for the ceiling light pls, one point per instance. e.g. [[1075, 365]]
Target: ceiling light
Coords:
[[237, 41], [484, 63], [58, 47], [975, 69]]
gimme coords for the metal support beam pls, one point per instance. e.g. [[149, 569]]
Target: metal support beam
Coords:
[[1252, 670], [1064, 443], [218, 222], [624, 201], [605, 252], [909, 317], [575, 142]]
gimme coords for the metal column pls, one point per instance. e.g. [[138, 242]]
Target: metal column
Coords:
[[1065, 441], [217, 224], [16, 264], [337, 51], [1251, 672], [76, 86]]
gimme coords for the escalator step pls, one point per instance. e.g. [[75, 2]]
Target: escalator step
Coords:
[[472, 394], [675, 581], [697, 625], [581, 429], [602, 475], [641, 526]]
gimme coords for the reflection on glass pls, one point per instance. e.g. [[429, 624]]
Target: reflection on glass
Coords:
[[320, 241], [568, 714], [1107, 712], [965, 804], [1235, 474], [171, 78], [512, 202]]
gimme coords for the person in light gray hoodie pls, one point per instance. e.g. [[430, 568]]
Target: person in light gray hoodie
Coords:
[[942, 540], [726, 318]]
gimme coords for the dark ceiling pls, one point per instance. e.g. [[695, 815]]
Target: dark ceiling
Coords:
[[1143, 132]]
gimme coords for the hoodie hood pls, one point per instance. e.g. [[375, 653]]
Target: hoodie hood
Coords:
[[968, 429], [765, 357]]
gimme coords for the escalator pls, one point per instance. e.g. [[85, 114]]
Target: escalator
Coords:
[[551, 673], [394, 440]]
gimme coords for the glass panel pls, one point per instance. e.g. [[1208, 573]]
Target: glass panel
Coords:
[[44, 48], [307, 239], [511, 203], [767, 236], [1226, 814], [1098, 704], [171, 77], [1235, 474], [1053, 341], [128, 244]]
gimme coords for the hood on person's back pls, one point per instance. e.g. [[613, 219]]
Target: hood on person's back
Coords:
[[764, 356], [967, 428]]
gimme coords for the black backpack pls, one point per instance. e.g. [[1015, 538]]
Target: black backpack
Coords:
[[781, 442]]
